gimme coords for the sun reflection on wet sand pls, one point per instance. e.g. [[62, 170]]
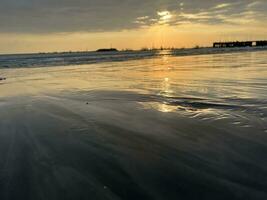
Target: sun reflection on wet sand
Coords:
[[210, 76]]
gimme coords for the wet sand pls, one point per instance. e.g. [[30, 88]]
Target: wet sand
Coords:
[[135, 132]]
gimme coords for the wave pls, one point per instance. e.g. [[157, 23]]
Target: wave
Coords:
[[81, 58]]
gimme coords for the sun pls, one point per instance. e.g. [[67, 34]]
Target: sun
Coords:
[[165, 16]]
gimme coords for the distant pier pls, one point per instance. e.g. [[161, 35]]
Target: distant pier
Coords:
[[260, 43]]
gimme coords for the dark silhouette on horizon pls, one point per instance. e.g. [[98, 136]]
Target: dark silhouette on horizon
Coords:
[[107, 50]]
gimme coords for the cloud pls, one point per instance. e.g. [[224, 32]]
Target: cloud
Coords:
[[223, 5], [50, 16]]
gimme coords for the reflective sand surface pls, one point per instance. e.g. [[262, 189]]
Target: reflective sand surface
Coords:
[[161, 128]]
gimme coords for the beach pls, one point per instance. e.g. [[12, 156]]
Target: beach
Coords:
[[147, 126]]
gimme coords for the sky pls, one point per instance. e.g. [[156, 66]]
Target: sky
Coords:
[[78, 25]]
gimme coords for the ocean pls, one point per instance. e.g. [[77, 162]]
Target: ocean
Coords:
[[188, 124]]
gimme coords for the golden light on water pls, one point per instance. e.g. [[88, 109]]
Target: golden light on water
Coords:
[[166, 108]]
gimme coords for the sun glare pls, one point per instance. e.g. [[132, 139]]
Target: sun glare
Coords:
[[165, 16]]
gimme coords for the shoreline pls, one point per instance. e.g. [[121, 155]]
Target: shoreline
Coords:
[[86, 58]]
